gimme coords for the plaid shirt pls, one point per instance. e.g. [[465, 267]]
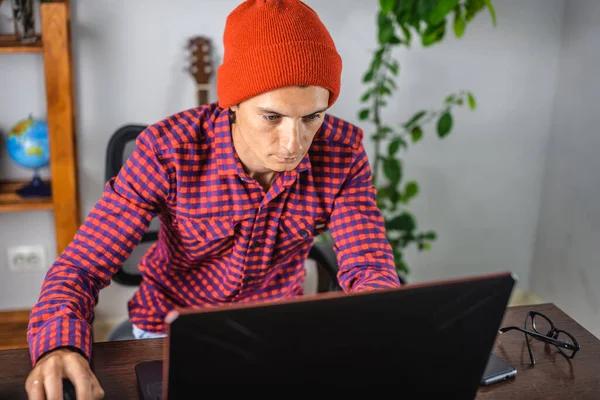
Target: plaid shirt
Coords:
[[222, 238]]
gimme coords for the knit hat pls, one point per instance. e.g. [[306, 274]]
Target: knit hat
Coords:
[[270, 44]]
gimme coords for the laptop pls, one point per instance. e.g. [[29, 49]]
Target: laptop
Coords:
[[427, 338]]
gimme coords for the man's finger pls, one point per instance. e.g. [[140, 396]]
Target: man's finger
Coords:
[[83, 387], [53, 386], [35, 389], [77, 370], [97, 390], [83, 379]]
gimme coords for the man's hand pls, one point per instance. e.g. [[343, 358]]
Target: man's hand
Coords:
[[45, 379]]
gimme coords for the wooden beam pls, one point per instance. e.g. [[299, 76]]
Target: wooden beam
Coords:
[[61, 121]]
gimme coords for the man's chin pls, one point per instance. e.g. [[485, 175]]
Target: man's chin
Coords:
[[281, 166]]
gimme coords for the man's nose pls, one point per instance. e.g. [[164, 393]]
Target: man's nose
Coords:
[[291, 140]]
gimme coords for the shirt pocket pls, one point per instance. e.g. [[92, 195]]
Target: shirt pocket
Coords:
[[205, 238], [295, 236]]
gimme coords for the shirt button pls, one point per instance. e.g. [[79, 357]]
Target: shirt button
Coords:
[[304, 234], [255, 245]]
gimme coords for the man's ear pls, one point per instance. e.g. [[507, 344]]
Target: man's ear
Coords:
[[232, 110]]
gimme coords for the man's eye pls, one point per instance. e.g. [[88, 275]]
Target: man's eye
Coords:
[[313, 117], [271, 118]]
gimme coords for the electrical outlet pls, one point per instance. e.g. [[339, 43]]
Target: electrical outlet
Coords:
[[27, 258]]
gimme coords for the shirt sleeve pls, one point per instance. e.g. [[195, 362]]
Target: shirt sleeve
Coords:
[[114, 226], [365, 257]]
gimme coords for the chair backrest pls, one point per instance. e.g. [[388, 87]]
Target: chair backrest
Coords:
[[116, 155], [321, 253]]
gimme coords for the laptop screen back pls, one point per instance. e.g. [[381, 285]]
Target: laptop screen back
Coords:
[[431, 338]]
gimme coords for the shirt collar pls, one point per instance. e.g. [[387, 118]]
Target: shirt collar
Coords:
[[227, 161]]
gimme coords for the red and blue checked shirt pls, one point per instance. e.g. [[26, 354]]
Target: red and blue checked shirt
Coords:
[[222, 238]]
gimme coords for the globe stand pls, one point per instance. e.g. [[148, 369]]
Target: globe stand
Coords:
[[35, 188]]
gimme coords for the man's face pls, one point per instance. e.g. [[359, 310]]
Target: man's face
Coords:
[[274, 130]]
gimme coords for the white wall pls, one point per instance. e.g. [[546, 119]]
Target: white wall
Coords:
[[566, 266], [480, 187]]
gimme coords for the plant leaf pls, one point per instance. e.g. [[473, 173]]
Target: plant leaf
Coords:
[[393, 66], [392, 170], [416, 134], [417, 116], [384, 193], [411, 190], [439, 11], [425, 8], [472, 103], [472, 7], [459, 23], [407, 34], [377, 59], [403, 222], [368, 76], [430, 235], [387, 5], [490, 7], [367, 95], [444, 124], [424, 247], [384, 89], [383, 131], [395, 145], [386, 29], [395, 40], [402, 267], [433, 34], [363, 114]]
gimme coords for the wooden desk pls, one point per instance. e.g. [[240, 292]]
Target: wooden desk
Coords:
[[553, 377]]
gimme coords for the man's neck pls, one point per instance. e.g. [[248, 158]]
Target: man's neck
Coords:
[[250, 164]]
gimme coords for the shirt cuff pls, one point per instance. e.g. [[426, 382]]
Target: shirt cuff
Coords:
[[379, 283], [61, 332]]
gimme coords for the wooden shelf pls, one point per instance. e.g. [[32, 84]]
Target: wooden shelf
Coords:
[[9, 44], [10, 201]]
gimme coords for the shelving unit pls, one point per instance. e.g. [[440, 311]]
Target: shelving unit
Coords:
[[11, 202], [55, 46], [9, 44]]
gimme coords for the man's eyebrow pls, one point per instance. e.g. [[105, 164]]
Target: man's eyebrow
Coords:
[[269, 111]]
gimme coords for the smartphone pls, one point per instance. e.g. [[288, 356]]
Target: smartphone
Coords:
[[497, 370]]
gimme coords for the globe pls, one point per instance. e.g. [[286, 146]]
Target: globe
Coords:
[[27, 145]]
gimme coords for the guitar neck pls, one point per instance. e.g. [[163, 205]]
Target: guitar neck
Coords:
[[202, 92]]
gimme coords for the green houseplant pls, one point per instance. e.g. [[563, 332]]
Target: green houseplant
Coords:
[[398, 23]]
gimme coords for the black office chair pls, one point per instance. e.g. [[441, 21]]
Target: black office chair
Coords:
[[119, 147]]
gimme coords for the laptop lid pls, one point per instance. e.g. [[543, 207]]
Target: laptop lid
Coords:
[[433, 337]]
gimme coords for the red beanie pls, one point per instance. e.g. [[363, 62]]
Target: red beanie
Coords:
[[270, 44]]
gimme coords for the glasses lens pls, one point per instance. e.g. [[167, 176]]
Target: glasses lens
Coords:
[[541, 325], [563, 337]]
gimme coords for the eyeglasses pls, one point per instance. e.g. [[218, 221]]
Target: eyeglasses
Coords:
[[545, 331]]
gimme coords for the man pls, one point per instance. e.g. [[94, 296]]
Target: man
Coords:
[[241, 189]]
